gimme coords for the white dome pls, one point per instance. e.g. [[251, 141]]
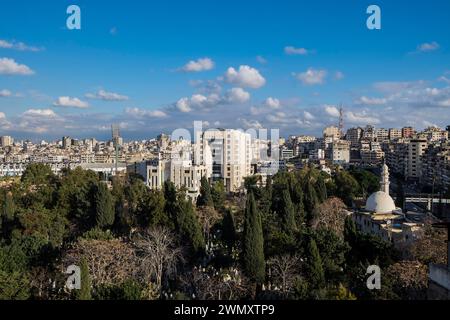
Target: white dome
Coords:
[[380, 202]]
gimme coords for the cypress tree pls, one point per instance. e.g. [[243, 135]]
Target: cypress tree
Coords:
[[314, 266], [253, 243], [229, 229], [321, 189], [104, 207], [85, 291], [311, 201], [288, 214], [205, 198], [8, 207], [188, 225]]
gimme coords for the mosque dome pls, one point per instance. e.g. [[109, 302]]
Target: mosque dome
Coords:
[[380, 202]]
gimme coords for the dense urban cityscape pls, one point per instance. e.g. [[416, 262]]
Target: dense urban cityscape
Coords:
[[353, 176]]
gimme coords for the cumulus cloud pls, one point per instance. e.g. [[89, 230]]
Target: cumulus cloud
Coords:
[[11, 67], [106, 96], [20, 46], [290, 50], [332, 111], [199, 65], [272, 103], [136, 112], [2, 115], [237, 95], [312, 76], [68, 102], [246, 77], [361, 118]]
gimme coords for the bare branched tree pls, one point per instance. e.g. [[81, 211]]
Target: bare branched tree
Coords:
[[159, 255], [284, 270], [110, 262], [331, 215]]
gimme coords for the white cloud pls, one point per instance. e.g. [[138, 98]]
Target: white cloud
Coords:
[[202, 64], [5, 93], [272, 103], [361, 118], [2, 115], [69, 102], [237, 95], [11, 67], [41, 113], [136, 112], [20, 46], [106, 96], [428, 46], [332, 111], [444, 79], [312, 76], [246, 77], [371, 101], [290, 50]]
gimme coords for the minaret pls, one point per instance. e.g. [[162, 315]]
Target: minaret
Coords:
[[384, 181]]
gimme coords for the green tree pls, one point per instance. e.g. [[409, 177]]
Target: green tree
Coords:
[[253, 243], [218, 194], [205, 198], [314, 267], [104, 207], [321, 188], [288, 214], [229, 229], [188, 226], [85, 291], [310, 200], [37, 174]]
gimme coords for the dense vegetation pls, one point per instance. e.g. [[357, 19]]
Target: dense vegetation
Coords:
[[291, 239]]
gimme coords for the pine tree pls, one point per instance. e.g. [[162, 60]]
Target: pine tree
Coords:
[[229, 229], [205, 198], [104, 207], [253, 243], [288, 214], [314, 266], [85, 292]]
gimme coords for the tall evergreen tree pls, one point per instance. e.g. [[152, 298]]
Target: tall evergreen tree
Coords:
[[205, 198], [104, 207], [321, 189], [229, 229], [400, 199], [8, 206], [314, 267], [85, 292], [288, 214], [253, 243], [188, 225], [218, 194], [310, 200]]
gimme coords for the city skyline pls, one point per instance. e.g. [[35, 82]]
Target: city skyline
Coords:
[[161, 70]]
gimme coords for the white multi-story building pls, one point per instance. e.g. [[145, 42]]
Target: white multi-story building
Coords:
[[341, 152], [416, 150], [6, 141], [231, 154]]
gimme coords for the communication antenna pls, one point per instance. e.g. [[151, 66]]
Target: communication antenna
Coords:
[[341, 120], [115, 138]]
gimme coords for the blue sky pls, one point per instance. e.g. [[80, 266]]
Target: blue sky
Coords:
[[292, 63]]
